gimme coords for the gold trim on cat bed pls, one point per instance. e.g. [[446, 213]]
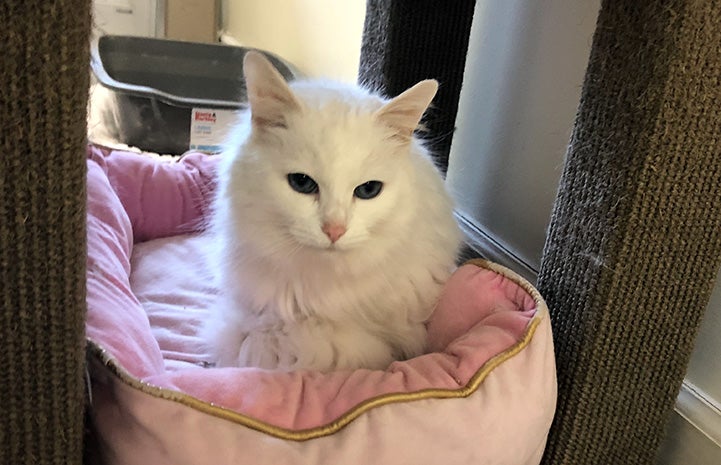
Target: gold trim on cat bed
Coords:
[[100, 357]]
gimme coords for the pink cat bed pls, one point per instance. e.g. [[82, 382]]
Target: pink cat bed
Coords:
[[485, 394]]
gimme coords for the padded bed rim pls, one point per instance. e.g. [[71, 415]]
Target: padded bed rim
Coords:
[[100, 358]]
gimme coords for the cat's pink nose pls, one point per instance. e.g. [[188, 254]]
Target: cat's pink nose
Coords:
[[333, 230]]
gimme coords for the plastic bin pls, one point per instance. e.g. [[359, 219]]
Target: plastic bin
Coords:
[[156, 84]]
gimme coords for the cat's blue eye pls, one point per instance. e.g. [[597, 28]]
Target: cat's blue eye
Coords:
[[368, 190], [302, 183]]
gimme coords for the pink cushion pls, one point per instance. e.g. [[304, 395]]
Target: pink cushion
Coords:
[[144, 216]]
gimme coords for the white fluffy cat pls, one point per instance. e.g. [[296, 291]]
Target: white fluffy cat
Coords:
[[333, 229]]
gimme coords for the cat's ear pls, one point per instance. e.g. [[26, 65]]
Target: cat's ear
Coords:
[[269, 96], [403, 113]]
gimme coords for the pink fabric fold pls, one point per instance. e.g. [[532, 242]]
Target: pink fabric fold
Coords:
[[149, 322], [161, 198]]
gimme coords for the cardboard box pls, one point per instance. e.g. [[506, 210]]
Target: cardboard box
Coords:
[[192, 20]]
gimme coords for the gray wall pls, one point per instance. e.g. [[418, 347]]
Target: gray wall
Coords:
[[522, 83]]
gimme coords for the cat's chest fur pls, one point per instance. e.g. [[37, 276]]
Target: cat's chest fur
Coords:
[[361, 288]]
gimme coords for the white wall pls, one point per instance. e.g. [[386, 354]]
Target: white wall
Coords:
[[321, 38], [126, 17]]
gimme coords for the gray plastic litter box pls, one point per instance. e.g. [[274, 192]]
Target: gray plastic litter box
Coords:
[[155, 84]]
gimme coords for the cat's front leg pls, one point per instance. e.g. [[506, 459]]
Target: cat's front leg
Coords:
[[235, 343], [224, 340], [325, 346], [267, 348]]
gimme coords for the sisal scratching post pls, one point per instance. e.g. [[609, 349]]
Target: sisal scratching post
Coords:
[[405, 41], [43, 91], [634, 243]]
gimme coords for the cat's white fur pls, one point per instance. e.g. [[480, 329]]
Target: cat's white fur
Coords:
[[290, 297]]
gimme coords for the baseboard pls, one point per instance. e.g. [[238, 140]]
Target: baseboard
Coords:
[[702, 412], [487, 247]]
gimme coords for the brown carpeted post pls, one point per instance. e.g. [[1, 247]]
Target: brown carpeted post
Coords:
[[405, 41], [43, 90], [634, 243]]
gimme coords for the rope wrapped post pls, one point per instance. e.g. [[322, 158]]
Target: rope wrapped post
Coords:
[[405, 41], [44, 74], [634, 244]]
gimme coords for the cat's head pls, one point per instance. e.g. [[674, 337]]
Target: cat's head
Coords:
[[331, 167]]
